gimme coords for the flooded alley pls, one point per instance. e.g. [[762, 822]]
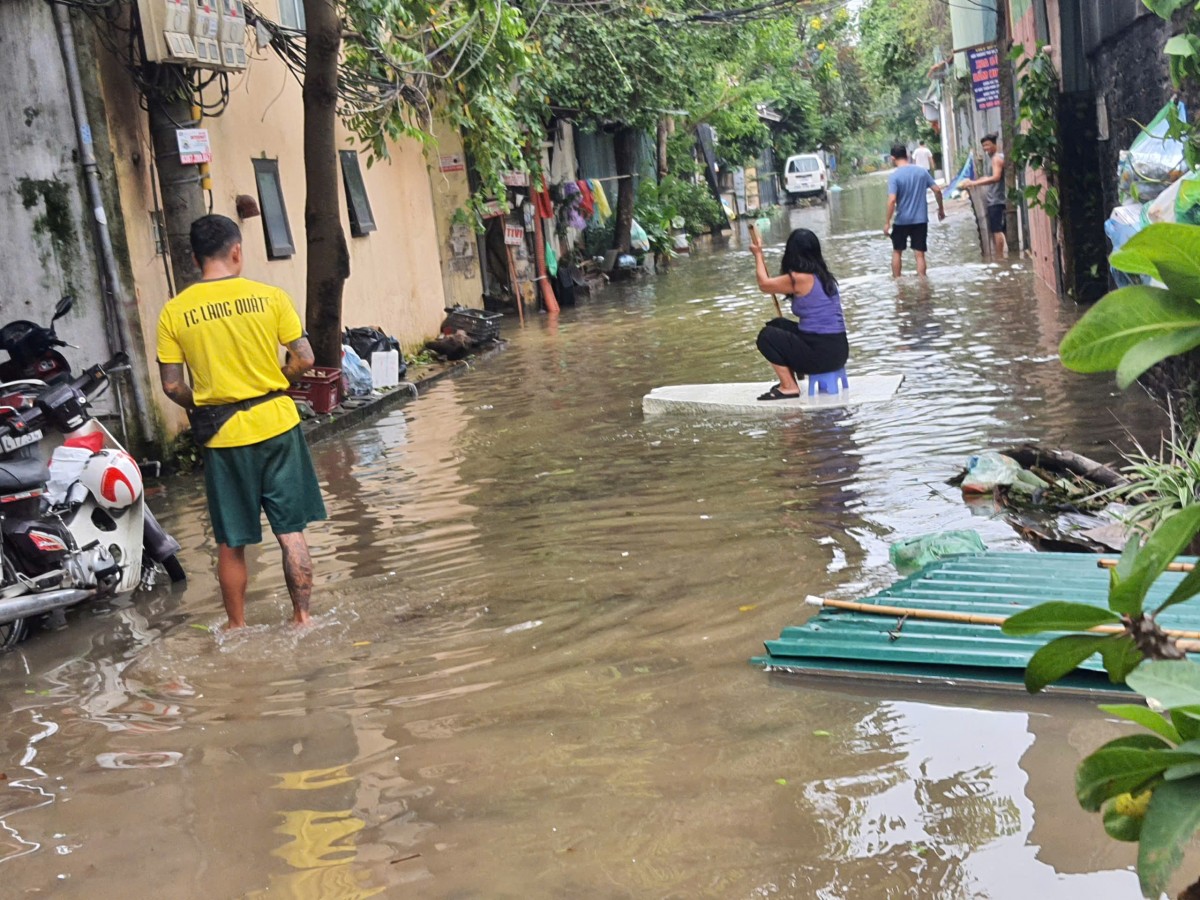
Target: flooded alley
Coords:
[[535, 609]]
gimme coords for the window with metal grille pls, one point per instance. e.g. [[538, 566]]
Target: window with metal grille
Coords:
[[362, 220], [274, 213]]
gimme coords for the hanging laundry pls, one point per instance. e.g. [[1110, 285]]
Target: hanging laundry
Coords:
[[541, 202], [601, 198], [586, 203], [573, 203]]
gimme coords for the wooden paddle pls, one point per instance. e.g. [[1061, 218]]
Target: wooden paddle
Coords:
[[1190, 642], [756, 238]]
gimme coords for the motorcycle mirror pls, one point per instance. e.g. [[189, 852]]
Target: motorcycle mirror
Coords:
[[63, 307]]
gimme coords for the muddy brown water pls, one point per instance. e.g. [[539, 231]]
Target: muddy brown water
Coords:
[[529, 676]]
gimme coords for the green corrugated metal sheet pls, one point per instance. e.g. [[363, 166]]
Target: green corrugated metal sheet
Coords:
[[859, 645]]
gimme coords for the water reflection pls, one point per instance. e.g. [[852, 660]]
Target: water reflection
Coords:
[[528, 676]]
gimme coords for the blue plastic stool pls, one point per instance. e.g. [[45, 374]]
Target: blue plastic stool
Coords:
[[827, 382]]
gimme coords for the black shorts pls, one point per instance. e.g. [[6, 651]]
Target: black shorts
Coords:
[[918, 233], [996, 219], [783, 343]]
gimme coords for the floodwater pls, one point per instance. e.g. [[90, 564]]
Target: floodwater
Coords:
[[529, 677]]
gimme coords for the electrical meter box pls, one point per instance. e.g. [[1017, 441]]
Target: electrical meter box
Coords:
[[232, 35], [233, 22], [206, 21], [167, 30], [233, 57], [207, 34]]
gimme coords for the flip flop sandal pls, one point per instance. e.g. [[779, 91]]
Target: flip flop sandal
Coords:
[[776, 394]]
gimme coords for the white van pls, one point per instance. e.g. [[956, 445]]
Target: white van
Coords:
[[805, 176]]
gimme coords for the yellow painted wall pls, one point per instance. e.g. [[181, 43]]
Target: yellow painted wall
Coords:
[[395, 272], [458, 245]]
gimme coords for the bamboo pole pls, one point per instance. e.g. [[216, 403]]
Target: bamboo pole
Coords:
[[516, 284], [756, 238], [1105, 563], [1190, 642]]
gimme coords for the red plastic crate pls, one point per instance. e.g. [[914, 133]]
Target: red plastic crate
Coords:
[[320, 388]]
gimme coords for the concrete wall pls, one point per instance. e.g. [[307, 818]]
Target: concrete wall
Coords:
[[45, 225], [396, 271]]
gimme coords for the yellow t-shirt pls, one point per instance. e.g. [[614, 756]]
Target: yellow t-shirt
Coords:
[[228, 332]]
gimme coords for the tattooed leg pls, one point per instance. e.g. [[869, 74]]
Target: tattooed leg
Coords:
[[297, 572]]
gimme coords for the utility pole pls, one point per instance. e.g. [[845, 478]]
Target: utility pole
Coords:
[[182, 196]]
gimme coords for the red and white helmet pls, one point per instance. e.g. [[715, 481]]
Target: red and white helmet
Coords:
[[113, 478]]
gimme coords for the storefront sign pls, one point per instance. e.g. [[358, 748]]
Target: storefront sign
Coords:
[[514, 235], [492, 208], [985, 77], [193, 146], [452, 162], [515, 179]]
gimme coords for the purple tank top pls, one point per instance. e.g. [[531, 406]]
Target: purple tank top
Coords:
[[818, 312]]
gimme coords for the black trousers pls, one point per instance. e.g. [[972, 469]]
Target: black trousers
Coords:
[[783, 344]]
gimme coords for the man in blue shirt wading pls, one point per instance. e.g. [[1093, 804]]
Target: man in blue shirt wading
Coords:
[[907, 185]]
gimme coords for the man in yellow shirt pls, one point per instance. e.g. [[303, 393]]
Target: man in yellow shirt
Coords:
[[227, 330]]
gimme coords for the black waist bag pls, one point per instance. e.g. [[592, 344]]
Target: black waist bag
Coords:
[[208, 420]]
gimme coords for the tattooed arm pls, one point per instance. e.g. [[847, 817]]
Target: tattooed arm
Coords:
[[175, 385], [300, 359]]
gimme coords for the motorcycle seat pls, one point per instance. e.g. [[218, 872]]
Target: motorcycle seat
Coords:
[[22, 475]]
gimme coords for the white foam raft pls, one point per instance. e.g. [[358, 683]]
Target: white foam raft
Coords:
[[742, 397]]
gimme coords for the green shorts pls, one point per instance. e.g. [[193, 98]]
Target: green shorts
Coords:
[[275, 475]]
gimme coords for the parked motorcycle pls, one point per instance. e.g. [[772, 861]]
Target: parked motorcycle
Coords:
[[73, 521]]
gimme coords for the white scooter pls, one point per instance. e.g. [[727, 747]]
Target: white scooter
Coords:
[[73, 519]]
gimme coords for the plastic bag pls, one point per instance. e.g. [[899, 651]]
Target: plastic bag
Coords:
[[987, 470], [638, 239], [366, 340], [1162, 207], [1152, 162], [915, 553], [357, 373]]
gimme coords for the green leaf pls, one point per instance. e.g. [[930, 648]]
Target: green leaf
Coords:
[[1120, 827], [1183, 770], [1165, 8], [1121, 657], [1173, 683], [1060, 657], [1178, 46], [1119, 770], [1173, 249], [1186, 720], [1162, 546], [1149, 353], [1120, 321], [1171, 820], [1145, 717], [1058, 615]]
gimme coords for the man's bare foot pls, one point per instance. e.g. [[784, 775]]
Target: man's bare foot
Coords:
[[232, 625], [302, 620]]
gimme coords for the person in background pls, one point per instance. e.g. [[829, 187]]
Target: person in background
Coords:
[[907, 185], [227, 331], [817, 343], [923, 157], [994, 199]]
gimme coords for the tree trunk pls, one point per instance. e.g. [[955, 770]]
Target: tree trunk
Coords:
[[625, 151], [182, 198], [662, 148], [328, 256], [1008, 122]]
